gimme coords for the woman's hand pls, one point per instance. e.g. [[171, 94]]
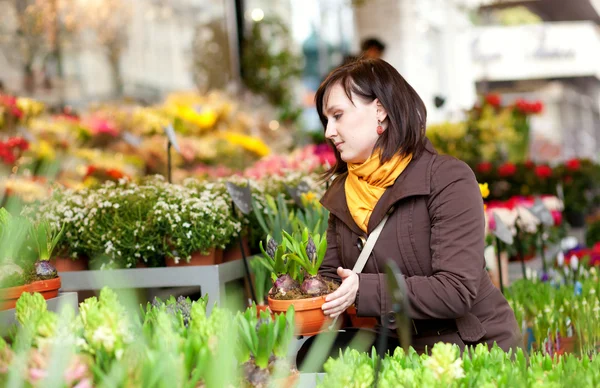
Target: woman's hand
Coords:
[[338, 301]]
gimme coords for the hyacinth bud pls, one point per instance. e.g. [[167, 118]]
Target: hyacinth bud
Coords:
[[271, 248], [311, 249]]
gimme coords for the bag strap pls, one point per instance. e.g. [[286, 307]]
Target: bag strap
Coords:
[[369, 245]]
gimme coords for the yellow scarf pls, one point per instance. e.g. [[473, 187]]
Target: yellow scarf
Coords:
[[367, 182]]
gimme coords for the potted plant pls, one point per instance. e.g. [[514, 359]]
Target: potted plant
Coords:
[[22, 272], [198, 223], [294, 267], [262, 348]]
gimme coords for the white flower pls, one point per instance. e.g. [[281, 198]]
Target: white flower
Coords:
[[105, 337], [574, 262]]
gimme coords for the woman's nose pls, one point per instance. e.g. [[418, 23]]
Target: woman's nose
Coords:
[[330, 131]]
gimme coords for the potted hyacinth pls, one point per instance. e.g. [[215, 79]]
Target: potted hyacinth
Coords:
[[21, 271], [263, 346], [294, 267]]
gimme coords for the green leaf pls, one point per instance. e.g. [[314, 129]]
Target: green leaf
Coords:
[[321, 250], [265, 344]]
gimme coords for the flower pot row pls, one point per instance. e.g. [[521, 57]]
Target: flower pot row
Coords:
[[214, 256]]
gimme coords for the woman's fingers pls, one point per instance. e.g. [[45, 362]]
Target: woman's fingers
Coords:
[[335, 311]]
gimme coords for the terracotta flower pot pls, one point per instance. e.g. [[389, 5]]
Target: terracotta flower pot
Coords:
[[233, 251], [567, 345], [309, 316], [356, 321], [66, 264], [262, 307], [48, 289], [214, 256]]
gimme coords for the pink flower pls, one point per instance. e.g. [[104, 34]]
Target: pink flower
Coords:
[[37, 374], [100, 126], [85, 383]]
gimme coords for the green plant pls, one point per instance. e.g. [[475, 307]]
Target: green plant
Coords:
[[13, 237], [307, 250], [262, 280], [263, 337], [275, 217], [270, 66], [285, 274], [46, 239], [312, 216]]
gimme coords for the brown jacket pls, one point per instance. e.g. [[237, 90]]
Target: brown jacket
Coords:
[[436, 236]]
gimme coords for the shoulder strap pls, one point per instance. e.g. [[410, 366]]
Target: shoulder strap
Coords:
[[369, 245]]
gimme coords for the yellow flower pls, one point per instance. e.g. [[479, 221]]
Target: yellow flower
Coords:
[[204, 119], [30, 107], [310, 199], [250, 143], [485, 190], [448, 130], [43, 150]]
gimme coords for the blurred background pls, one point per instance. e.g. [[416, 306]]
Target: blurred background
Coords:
[[511, 87], [81, 52]]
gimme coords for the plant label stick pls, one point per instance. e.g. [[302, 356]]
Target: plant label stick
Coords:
[[170, 132], [501, 231], [241, 197], [541, 212]]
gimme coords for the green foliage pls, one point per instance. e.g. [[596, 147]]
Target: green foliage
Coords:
[[46, 239], [307, 250], [260, 338], [269, 66]]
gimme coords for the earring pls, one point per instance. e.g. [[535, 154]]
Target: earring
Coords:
[[379, 128]]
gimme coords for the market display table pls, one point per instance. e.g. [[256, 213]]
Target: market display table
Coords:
[[8, 319], [309, 380], [211, 279]]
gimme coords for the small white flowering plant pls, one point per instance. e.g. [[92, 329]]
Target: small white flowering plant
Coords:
[[120, 224]]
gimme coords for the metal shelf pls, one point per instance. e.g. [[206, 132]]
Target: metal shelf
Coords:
[[211, 279]]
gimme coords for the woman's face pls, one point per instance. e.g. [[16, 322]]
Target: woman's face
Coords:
[[352, 127]]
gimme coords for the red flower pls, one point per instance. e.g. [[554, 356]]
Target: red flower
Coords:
[[90, 171], [114, 173], [507, 169], [529, 164], [484, 167], [6, 155], [16, 111], [8, 101], [526, 107], [17, 142], [543, 171], [557, 217], [494, 100], [573, 164]]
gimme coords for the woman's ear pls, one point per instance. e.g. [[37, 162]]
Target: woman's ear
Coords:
[[381, 112]]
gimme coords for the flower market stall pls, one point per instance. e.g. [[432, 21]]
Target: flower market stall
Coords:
[[91, 209]]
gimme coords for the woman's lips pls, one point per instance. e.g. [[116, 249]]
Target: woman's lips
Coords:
[[337, 145]]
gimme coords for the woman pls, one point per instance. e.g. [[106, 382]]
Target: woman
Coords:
[[435, 232]]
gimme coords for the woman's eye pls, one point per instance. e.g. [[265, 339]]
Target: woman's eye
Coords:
[[337, 117]]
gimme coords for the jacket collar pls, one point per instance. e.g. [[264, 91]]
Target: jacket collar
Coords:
[[414, 180]]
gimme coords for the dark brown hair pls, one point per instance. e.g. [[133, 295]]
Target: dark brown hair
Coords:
[[372, 79]]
